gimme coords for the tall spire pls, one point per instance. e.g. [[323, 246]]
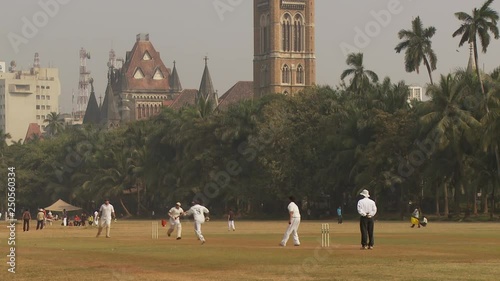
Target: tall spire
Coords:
[[36, 62], [471, 66], [110, 116], [92, 114], [207, 91], [175, 82]]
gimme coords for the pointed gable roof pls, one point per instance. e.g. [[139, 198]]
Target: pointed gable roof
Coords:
[[33, 130], [206, 90], [175, 81], [93, 113], [109, 108], [242, 90], [186, 97], [145, 58]]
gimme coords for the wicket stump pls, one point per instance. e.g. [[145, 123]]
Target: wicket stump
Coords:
[[154, 230], [325, 235]]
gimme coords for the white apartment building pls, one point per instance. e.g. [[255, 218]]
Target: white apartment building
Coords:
[[416, 93], [27, 97]]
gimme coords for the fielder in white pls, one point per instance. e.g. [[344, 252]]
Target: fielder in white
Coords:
[[175, 220], [293, 224], [198, 213], [106, 213]]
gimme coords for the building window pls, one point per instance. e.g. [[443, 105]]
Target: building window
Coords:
[[38, 117], [286, 33], [43, 87], [263, 75], [158, 75], [48, 107], [43, 97], [37, 97], [264, 33], [48, 87], [138, 74], [298, 33], [37, 107], [43, 107], [300, 74], [285, 74], [146, 56], [48, 97]]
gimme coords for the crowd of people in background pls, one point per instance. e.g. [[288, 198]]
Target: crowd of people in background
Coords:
[[44, 218]]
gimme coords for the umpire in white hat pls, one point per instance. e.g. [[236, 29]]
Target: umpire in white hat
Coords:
[[367, 210]]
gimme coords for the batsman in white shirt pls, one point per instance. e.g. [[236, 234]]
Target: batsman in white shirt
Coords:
[[175, 220], [198, 213], [293, 223], [106, 213]]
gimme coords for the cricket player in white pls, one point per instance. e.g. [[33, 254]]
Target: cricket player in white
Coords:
[[106, 212], [198, 213], [293, 223], [174, 220]]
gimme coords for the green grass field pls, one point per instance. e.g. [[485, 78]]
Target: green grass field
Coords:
[[441, 251]]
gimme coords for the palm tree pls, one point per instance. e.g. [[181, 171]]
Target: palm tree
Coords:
[[417, 43], [490, 123], [360, 76], [56, 124], [449, 125], [3, 139], [480, 23]]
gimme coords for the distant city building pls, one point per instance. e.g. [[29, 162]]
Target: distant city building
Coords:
[[416, 93], [141, 86], [27, 97], [284, 46]]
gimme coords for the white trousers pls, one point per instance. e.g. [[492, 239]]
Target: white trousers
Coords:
[[197, 230], [230, 225], [292, 229], [104, 223], [173, 224]]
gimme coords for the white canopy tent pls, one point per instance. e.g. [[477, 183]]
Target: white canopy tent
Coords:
[[60, 205]]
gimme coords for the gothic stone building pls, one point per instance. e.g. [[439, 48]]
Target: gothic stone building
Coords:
[[284, 46], [142, 87]]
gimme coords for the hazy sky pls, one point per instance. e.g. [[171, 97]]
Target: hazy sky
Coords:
[[187, 30]]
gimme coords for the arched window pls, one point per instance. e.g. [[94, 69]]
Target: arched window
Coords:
[[285, 74], [298, 33], [300, 74], [263, 75], [264, 33], [286, 33]]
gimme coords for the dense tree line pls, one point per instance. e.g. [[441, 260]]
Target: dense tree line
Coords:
[[323, 146]]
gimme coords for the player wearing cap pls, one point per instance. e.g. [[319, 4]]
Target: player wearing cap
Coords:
[[198, 211], [174, 220]]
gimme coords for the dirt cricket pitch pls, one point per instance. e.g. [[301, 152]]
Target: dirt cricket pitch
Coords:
[[441, 251]]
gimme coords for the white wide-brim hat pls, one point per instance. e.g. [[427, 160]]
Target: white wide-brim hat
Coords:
[[365, 193], [178, 203]]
